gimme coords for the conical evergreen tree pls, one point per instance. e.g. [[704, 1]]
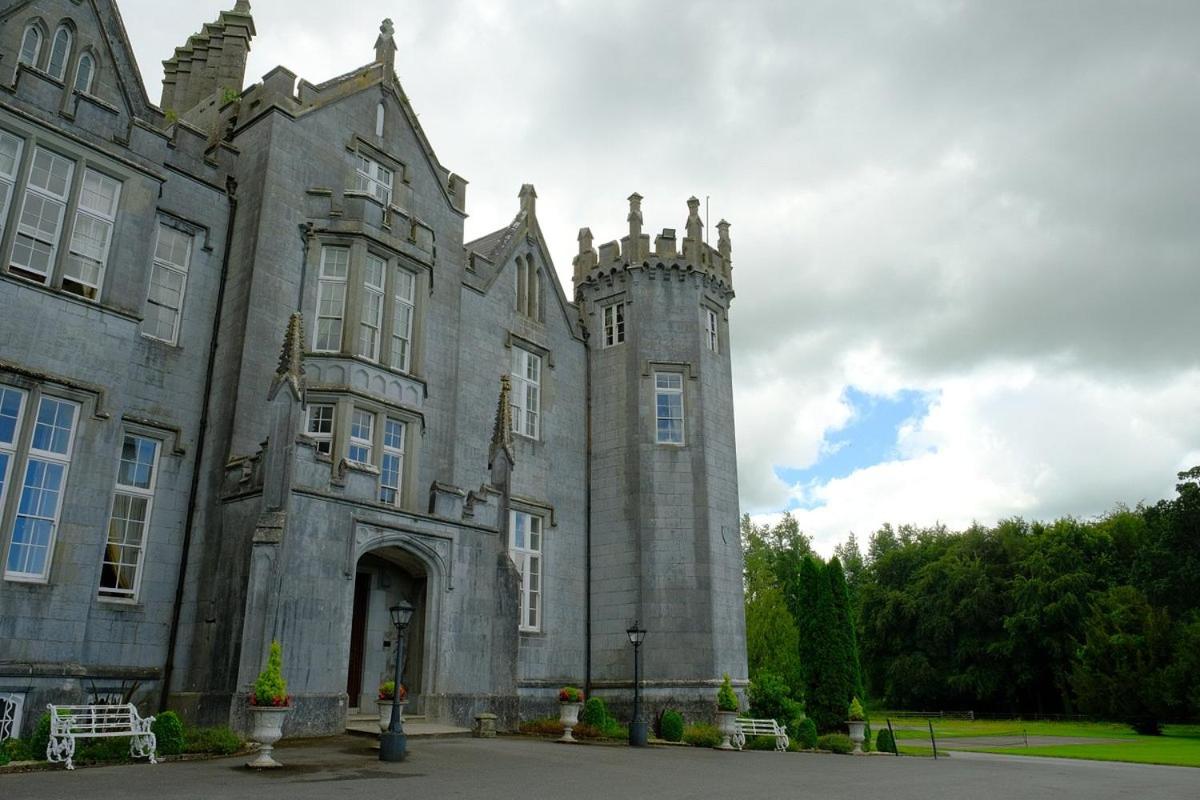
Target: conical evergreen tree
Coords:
[[803, 604], [829, 681], [847, 641]]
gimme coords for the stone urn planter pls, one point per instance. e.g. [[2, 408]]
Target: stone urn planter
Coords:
[[568, 715], [267, 730], [385, 713], [727, 725], [856, 734]]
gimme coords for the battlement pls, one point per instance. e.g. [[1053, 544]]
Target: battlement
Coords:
[[634, 250]]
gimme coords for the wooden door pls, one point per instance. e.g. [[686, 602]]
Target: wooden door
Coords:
[[358, 632]]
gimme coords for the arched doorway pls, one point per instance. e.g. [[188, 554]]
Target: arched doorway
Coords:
[[382, 577]]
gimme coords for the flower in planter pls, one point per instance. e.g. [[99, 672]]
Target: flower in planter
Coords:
[[570, 694], [271, 689], [387, 691]]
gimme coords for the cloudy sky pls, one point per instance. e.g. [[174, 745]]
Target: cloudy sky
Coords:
[[966, 234]]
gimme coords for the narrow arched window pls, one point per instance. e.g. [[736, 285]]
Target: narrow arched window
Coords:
[[379, 113], [522, 286], [84, 72], [535, 292], [31, 45], [60, 52]]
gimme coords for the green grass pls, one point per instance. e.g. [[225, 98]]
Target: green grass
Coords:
[[1179, 751]]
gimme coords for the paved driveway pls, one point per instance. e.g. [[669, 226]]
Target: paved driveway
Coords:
[[522, 769]]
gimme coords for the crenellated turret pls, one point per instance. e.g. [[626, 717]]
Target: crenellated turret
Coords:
[[693, 255]]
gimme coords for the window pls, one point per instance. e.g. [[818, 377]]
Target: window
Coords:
[[31, 46], [391, 471], [92, 234], [168, 280], [40, 502], [12, 404], [525, 549], [331, 298], [711, 331], [526, 396], [60, 52], [84, 72], [402, 319], [371, 317], [10, 161], [120, 570], [373, 178], [41, 215], [362, 427], [529, 288], [614, 324], [668, 403], [320, 426]]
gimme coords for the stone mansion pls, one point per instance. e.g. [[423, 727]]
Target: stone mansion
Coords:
[[255, 386]]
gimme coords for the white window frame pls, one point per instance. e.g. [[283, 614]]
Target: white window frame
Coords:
[[37, 47], [8, 449], [43, 195], [402, 327], [61, 72], [315, 420], [162, 265], [95, 216], [46, 458], [133, 492], [392, 449], [527, 393], [370, 322], [614, 325], [664, 388], [88, 76], [712, 328], [331, 291], [360, 444], [373, 178], [530, 562], [8, 180]]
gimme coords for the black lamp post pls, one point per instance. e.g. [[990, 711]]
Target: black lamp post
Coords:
[[393, 744], [637, 728]]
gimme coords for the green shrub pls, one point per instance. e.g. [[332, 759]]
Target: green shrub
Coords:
[[168, 733], [546, 726], [17, 750], [672, 725], [218, 741], [856, 711], [868, 738], [40, 738], [726, 698], [4, 757], [884, 742], [771, 698], [702, 735], [270, 689], [760, 743], [102, 751], [835, 743], [806, 734], [594, 713]]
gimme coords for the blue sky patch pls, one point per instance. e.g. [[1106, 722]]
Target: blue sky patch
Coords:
[[869, 437]]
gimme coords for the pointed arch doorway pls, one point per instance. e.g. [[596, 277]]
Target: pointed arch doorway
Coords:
[[382, 577]]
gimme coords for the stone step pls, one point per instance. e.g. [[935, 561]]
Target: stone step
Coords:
[[415, 727]]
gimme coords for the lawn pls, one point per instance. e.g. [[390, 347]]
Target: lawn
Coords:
[[1178, 746]]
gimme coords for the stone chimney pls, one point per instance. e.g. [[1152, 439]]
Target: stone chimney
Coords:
[[212, 62]]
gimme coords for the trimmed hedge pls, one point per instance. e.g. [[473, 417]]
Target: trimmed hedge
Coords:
[[168, 733], [835, 743], [884, 742], [672, 726], [702, 735], [806, 734]]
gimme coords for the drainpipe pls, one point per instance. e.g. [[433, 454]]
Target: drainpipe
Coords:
[[587, 520], [194, 490]]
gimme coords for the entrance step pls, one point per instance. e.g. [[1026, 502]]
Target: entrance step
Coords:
[[415, 727]]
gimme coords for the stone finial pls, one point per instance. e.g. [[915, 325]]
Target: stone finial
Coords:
[[290, 372], [585, 241], [385, 46], [242, 6], [723, 245], [528, 197], [502, 430], [695, 228]]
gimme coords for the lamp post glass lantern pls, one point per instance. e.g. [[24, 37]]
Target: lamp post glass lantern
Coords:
[[393, 744], [637, 727]]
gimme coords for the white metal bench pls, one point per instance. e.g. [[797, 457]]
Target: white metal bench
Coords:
[[68, 723], [760, 727]]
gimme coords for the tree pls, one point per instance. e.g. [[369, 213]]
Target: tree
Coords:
[[842, 629], [772, 642]]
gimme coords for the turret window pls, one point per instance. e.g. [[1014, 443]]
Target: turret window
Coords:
[[614, 324], [668, 405], [711, 331]]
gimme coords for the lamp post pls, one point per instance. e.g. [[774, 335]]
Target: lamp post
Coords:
[[393, 744], [637, 728]]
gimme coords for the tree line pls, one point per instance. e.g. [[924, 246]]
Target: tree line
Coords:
[[1098, 617]]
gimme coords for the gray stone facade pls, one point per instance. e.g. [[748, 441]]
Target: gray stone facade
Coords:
[[295, 495]]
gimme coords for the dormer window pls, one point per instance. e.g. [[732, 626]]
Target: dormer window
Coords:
[[31, 46], [60, 53], [84, 73], [373, 178]]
